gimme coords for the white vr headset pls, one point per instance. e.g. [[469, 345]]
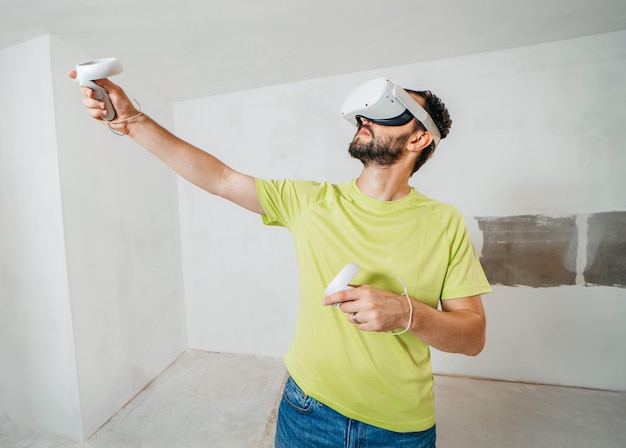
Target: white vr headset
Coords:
[[382, 102]]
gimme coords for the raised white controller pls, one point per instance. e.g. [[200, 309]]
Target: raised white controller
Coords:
[[342, 280], [87, 72]]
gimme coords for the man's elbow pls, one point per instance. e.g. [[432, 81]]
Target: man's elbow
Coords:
[[476, 347]]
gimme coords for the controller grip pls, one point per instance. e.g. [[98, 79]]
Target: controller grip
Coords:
[[100, 93]]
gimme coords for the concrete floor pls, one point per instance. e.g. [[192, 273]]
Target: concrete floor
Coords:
[[226, 400]]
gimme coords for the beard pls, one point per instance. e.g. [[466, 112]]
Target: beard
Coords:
[[378, 151]]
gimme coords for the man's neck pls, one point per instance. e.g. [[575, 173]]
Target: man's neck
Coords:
[[384, 183]]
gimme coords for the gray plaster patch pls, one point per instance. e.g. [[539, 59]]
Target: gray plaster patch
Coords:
[[606, 249], [529, 250]]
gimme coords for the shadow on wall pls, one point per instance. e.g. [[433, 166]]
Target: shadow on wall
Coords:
[[542, 251]]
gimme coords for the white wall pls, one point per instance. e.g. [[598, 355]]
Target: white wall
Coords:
[[38, 379], [120, 212], [92, 304], [536, 130]]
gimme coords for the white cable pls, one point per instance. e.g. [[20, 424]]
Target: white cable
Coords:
[[125, 120], [406, 294]]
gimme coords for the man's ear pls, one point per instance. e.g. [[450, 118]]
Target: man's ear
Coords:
[[419, 140]]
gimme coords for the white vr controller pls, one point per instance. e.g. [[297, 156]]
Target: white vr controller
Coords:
[[89, 71], [342, 280]]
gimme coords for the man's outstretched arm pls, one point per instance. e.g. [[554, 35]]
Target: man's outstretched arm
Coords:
[[197, 166]]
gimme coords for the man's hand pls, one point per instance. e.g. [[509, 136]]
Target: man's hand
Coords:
[[371, 309], [97, 109]]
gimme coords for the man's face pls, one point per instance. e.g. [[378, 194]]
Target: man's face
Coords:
[[379, 145]]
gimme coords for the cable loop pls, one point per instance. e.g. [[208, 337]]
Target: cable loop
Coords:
[[406, 294], [125, 120]]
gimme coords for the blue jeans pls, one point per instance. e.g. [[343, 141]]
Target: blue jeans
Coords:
[[304, 422]]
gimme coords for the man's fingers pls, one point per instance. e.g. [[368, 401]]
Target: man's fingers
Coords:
[[339, 297]]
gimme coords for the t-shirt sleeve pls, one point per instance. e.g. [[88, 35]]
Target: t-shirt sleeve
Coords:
[[284, 201], [465, 276]]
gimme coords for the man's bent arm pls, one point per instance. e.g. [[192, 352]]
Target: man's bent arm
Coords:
[[458, 328]]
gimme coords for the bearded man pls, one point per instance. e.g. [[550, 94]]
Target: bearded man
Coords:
[[359, 371]]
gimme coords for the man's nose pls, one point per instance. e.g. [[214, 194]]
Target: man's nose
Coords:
[[364, 120]]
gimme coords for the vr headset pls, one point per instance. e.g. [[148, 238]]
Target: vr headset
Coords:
[[384, 103]]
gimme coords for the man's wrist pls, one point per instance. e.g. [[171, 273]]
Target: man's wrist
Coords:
[[127, 125]]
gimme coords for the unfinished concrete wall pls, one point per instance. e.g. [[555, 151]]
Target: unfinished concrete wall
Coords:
[[544, 251], [532, 250], [606, 249]]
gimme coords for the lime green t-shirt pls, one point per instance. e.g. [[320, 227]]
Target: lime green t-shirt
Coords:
[[376, 378]]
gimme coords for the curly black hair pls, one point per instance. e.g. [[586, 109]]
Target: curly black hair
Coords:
[[440, 115]]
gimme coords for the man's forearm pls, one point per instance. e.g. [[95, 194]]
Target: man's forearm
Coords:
[[457, 331], [195, 165]]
